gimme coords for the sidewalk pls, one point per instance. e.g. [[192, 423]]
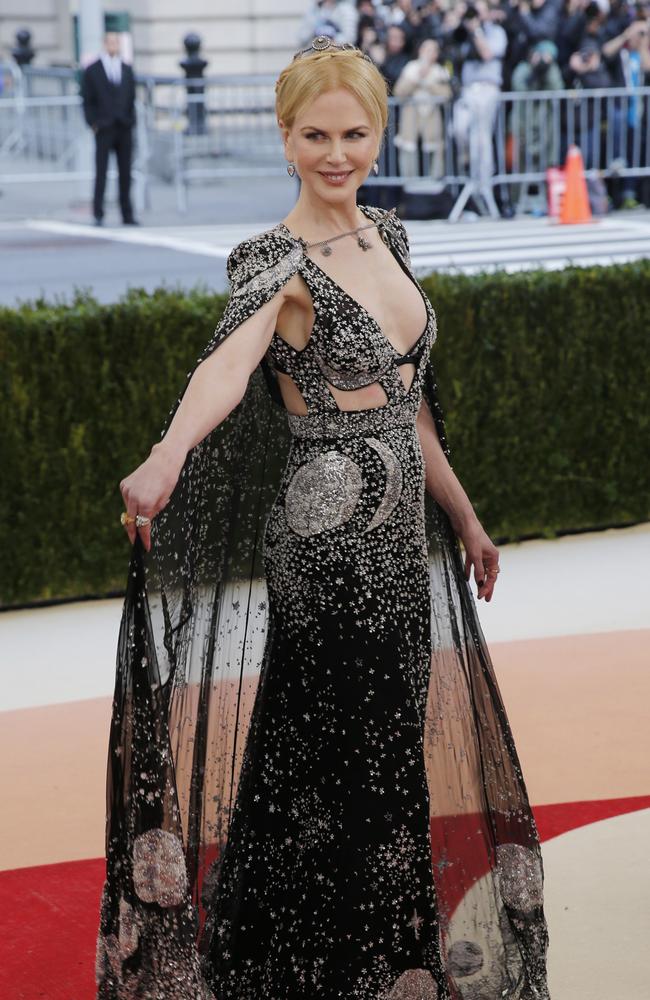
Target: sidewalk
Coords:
[[212, 202]]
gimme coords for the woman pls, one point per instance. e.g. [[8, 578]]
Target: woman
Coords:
[[312, 784], [423, 81]]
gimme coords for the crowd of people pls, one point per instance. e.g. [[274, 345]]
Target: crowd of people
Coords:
[[463, 55]]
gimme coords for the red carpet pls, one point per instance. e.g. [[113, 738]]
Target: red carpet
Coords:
[[552, 820], [51, 912], [50, 916]]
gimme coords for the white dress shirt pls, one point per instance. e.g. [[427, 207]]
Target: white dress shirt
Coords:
[[113, 67]]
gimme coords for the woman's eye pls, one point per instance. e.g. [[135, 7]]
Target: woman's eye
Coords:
[[319, 135]]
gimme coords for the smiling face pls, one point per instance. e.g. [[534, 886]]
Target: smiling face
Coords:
[[333, 145]]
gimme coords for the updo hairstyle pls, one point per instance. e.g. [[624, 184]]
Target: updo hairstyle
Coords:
[[311, 75]]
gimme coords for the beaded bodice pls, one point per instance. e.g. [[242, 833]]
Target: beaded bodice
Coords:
[[347, 348]]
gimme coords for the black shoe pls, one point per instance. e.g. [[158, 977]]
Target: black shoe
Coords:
[[130, 222], [99, 221]]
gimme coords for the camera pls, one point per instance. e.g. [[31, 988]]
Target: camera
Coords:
[[538, 73]]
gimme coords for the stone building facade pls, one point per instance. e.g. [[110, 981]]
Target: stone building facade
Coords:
[[238, 36]]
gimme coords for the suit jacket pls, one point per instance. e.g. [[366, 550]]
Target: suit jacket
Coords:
[[105, 103]]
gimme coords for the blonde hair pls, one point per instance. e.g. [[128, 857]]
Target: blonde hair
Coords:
[[309, 76]]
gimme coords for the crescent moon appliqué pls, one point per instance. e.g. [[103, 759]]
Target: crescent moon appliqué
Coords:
[[394, 482]]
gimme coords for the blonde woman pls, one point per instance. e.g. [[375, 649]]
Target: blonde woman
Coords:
[[424, 82], [313, 790]]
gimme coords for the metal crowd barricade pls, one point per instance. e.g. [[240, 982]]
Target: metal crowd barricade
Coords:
[[45, 139], [533, 131], [610, 125], [217, 127], [44, 136]]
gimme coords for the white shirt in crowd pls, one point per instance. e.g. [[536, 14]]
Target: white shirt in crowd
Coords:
[[336, 18], [487, 70]]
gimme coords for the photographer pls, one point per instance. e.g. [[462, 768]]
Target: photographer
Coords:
[[397, 55], [482, 46], [536, 144], [582, 20], [539, 71], [588, 71], [335, 18], [527, 22], [628, 58], [422, 81]]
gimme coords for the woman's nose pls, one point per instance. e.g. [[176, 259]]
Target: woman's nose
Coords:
[[335, 153]]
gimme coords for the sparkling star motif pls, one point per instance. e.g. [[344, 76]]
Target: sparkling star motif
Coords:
[[416, 922]]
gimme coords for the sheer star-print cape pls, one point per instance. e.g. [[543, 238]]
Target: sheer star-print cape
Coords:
[[189, 658]]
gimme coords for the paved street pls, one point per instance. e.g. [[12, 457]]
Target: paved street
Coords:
[[48, 246], [48, 243]]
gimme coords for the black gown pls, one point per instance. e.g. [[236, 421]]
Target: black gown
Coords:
[[313, 789]]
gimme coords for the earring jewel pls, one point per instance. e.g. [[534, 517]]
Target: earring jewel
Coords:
[[375, 168], [291, 169]]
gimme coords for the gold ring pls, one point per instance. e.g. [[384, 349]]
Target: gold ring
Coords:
[[126, 519]]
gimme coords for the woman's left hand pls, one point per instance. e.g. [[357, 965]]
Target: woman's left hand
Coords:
[[482, 554]]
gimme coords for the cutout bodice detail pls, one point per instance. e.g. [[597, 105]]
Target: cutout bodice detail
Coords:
[[347, 349]]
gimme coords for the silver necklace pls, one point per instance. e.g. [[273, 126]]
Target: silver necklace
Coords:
[[326, 249]]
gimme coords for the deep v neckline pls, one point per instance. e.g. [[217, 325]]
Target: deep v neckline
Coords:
[[355, 302]]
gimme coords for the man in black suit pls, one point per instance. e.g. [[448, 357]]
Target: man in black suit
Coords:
[[108, 90]]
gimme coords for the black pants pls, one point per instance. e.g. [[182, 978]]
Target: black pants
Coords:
[[119, 138]]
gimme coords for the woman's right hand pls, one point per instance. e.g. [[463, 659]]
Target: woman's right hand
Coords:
[[216, 387], [148, 488]]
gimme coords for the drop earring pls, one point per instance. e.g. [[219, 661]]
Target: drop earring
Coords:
[[291, 169], [375, 168]]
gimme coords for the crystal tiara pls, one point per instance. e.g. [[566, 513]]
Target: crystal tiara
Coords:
[[323, 42]]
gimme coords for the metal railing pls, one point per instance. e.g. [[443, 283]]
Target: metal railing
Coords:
[[192, 131], [44, 137], [532, 132]]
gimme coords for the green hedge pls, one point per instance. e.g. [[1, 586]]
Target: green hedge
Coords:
[[543, 377]]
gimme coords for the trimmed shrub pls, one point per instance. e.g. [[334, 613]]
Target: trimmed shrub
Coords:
[[542, 376]]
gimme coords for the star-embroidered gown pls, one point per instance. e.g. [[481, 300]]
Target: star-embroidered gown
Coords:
[[313, 789]]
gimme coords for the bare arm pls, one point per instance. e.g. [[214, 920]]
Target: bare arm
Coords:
[[219, 382], [216, 387], [644, 52], [443, 485], [614, 45], [483, 47]]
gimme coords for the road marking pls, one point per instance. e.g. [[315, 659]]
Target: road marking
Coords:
[[482, 245], [142, 237]]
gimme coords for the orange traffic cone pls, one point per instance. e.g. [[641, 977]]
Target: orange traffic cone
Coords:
[[575, 203]]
